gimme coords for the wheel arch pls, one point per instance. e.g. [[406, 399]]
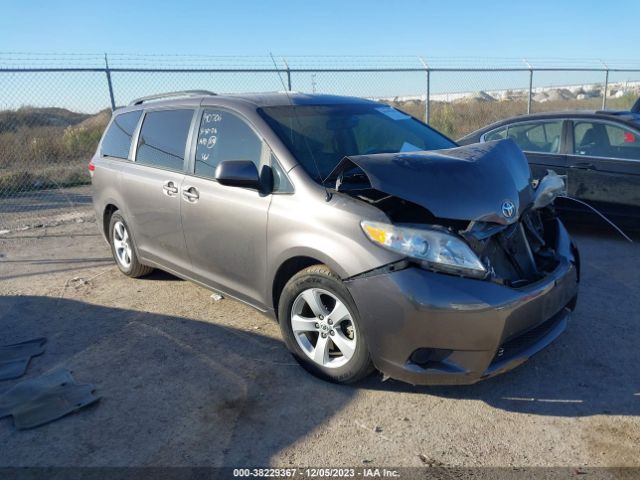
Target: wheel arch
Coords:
[[285, 271], [107, 213]]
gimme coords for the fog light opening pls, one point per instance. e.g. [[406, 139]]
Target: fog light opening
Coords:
[[430, 357]]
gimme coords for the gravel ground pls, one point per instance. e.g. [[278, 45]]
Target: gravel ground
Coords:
[[188, 381]]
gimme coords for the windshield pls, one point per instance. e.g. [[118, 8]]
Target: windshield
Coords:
[[325, 134]]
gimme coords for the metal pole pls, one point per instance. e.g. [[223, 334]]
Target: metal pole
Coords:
[[524, 60], [428, 99], [530, 91], [606, 87], [288, 73], [108, 72]]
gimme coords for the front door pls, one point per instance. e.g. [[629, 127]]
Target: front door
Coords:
[[225, 227]]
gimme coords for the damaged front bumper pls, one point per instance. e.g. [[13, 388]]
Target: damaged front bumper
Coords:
[[424, 327]]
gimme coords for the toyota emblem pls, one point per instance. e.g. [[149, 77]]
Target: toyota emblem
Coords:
[[508, 209]]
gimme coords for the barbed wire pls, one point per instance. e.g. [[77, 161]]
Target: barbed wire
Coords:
[[17, 59]]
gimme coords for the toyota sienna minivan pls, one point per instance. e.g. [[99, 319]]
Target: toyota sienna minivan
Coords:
[[375, 241]]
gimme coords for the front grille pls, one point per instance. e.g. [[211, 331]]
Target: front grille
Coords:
[[521, 253]]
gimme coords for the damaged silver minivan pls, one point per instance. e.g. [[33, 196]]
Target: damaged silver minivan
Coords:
[[374, 240]]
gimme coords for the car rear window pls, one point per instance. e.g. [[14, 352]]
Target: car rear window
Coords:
[[117, 140], [163, 138]]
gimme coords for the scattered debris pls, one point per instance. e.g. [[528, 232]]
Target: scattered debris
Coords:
[[15, 358], [216, 297], [430, 462], [377, 430], [43, 399], [77, 282]]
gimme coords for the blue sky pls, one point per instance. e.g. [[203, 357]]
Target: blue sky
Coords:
[[454, 28], [445, 33]]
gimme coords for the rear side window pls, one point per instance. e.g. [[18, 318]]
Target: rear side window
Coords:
[[117, 140], [224, 136], [605, 140], [163, 138]]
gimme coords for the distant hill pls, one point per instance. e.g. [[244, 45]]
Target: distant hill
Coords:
[[11, 120]]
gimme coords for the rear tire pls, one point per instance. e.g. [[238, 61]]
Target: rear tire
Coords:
[[123, 248], [321, 326]]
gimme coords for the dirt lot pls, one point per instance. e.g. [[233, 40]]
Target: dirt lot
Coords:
[[45, 207], [188, 381]]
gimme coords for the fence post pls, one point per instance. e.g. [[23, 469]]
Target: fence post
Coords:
[[288, 73], [529, 100], [108, 72], [606, 87], [427, 100], [530, 90]]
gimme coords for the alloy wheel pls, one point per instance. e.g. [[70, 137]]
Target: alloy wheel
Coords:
[[122, 244], [323, 327]]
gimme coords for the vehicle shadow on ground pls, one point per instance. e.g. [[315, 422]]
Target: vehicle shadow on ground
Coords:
[[174, 391], [592, 368]]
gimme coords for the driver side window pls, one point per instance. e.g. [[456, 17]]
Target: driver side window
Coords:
[[224, 136], [541, 137]]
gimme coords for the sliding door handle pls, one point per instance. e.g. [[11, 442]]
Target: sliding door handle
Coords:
[[190, 194]]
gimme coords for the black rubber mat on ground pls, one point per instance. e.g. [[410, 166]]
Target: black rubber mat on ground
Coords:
[[44, 399], [15, 358]]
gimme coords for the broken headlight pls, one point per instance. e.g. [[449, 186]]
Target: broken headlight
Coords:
[[435, 249]]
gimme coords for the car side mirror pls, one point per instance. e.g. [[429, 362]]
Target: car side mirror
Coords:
[[238, 173]]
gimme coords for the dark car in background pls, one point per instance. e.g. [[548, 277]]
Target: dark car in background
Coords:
[[599, 151]]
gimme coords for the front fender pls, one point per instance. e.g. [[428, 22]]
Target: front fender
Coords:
[[328, 232]]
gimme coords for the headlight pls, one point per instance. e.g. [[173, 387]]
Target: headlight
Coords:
[[437, 250]]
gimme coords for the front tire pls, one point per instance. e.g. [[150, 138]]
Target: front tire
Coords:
[[123, 248], [321, 326]]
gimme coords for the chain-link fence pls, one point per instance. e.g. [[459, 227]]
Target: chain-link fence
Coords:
[[54, 108]]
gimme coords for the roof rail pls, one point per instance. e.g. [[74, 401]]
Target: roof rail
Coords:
[[180, 93]]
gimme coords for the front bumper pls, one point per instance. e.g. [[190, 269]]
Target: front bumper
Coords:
[[429, 328]]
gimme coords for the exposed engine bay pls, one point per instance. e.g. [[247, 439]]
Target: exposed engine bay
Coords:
[[512, 228]]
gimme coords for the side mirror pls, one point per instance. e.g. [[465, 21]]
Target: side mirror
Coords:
[[238, 173]]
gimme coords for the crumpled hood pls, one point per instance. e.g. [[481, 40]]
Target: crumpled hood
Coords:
[[474, 182]]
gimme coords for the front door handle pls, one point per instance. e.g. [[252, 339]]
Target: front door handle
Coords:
[[190, 194], [584, 166], [169, 188]]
